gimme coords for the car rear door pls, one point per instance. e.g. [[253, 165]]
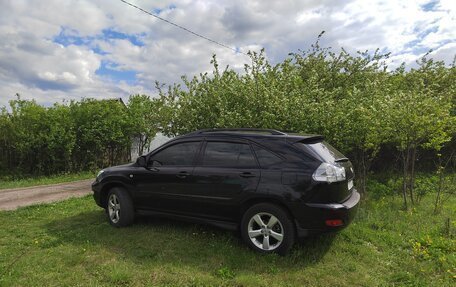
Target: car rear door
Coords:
[[225, 173]]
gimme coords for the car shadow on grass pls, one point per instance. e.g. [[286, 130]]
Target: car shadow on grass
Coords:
[[162, 241]]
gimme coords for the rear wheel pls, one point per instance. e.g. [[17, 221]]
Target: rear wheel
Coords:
[[267, 228], [120, 208]]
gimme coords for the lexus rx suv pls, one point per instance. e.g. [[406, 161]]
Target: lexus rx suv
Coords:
[[270, 185]]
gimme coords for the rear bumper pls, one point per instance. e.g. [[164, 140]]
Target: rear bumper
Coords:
[[316, 215]]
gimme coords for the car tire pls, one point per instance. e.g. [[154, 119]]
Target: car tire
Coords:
[[119, 208], [267, 228]]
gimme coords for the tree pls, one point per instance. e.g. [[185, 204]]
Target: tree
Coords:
[[419, 115], [144, 119], [103, 134]]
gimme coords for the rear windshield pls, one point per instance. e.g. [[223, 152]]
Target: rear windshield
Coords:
[[321, 150]]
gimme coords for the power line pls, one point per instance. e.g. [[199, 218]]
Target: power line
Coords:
[[183, 28]]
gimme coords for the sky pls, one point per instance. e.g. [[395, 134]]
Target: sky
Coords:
[[54, 51]]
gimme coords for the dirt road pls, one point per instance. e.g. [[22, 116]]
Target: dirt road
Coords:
[[11, 199]]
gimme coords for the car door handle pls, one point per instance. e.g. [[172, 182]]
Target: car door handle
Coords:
[[182, 174], [246, 174]]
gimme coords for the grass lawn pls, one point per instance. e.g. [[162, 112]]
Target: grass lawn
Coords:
[[43, 180], [71, 243]]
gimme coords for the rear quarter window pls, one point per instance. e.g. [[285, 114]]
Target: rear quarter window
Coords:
[[266, 158]]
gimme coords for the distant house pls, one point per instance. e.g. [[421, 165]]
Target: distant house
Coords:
[[156, 142]]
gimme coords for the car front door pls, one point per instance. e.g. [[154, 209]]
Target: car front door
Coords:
[[225, 173], [168, 174]]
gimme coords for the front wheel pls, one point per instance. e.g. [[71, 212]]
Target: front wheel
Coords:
[[267, 228], [120, 208]]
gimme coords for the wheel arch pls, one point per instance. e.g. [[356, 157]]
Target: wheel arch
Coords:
[[253, 201], [107, 187]]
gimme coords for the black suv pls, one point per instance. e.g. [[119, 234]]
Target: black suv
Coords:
[[271, 185]]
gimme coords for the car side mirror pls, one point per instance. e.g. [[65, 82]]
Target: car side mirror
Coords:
[[141, 161]]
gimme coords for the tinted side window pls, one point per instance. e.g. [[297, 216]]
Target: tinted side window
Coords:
[[225, 154], [178, 154], [266, 158]]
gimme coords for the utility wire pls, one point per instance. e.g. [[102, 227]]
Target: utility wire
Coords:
[[183, 28]]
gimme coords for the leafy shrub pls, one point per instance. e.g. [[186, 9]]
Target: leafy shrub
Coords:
[[225, 273]]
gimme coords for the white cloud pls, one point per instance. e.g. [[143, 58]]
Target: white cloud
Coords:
[[34, 65], [445, 53]]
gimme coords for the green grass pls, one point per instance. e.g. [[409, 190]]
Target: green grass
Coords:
[[43, 180], [71, 244]]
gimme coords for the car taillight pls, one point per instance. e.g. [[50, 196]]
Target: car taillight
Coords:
[[328, 172], [334, 222]]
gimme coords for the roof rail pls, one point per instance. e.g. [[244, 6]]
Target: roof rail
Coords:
[[271, 131]]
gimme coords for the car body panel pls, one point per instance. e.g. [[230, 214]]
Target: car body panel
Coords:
[[162, 188], [220, 191]]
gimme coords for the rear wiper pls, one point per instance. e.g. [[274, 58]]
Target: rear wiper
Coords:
[[341, 159]]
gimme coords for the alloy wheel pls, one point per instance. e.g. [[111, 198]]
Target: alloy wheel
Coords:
[[114, 208], [265, 231]]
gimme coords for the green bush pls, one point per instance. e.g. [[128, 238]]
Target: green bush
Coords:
[[79, 136]]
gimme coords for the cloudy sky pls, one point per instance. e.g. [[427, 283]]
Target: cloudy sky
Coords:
[[57, 50]]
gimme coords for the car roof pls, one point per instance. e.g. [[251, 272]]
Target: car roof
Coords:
[[254, 134]]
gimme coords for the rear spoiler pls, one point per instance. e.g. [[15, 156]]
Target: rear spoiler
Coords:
[[308, 139]]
